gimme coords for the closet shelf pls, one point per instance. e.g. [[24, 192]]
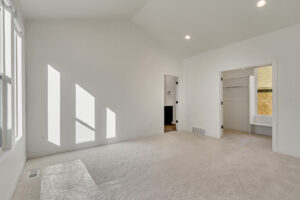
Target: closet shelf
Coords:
[[232, 78], [236, 86]]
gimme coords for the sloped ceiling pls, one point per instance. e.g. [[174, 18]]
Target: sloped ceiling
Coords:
[[81, 9], [211, 23]]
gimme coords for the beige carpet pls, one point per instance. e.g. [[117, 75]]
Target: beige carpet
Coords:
[[181, 166]]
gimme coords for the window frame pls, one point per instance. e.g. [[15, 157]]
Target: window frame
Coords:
[[18, 77], [1, 71], [7, 135], [9, 127]]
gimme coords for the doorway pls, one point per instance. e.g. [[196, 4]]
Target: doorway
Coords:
[[170, 103], [248, 101]]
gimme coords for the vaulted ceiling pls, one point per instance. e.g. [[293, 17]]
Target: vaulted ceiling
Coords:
[[81, 9], [210, 23]]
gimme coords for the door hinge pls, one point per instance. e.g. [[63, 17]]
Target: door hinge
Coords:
[[222, 103], [222, 79], [176, 121], [222, 127], [176, 82], [176, 102]]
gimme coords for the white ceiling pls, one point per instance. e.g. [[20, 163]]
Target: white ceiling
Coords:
[[211, 23], [78, 9]]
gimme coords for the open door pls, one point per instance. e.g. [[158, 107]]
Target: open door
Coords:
[[221, 106], [170, 103], [177, 104]]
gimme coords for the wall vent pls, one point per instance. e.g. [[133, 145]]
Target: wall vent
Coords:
[[198, 130], [34, 173]]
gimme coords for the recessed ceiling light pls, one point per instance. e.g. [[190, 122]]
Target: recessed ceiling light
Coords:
[[261, 3], [187, 37]]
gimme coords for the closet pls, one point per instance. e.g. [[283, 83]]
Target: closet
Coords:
[[236, 99], [240, 102]]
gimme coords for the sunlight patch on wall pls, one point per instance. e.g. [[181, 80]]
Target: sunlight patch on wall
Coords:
[[110, 124], [84, 133], [85, 116], [53, 106]]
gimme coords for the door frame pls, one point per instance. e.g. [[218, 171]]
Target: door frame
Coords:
[[177, 99], [274, 63]]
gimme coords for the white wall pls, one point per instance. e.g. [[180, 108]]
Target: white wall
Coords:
[[202, 88], [12, 161], [116, 62], [11, 166], [170, 100]]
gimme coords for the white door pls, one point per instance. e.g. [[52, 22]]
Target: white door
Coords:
[[177, 104], [221, 104]]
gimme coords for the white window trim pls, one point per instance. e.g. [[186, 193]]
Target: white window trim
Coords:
[[1, 65], [15, 89], [10, 137], [18, 67]]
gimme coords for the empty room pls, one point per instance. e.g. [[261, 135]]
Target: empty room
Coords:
[[149, 100]]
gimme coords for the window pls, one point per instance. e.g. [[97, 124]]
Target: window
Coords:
[[18, 86], [6, 78], [11, 94], [1, 71], [264, 90]]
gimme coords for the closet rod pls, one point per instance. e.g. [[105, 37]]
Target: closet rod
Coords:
[[236, 86], [236, 77]]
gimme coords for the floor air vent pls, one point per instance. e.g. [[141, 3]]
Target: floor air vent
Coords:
[[34, 173], [197, 130]]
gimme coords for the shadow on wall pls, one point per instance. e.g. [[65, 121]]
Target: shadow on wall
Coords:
[[85, 126]]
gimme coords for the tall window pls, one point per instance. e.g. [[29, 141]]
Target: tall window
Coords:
[[264, 91], [10, 79], [6, 79], [1, 72], [18, 86]]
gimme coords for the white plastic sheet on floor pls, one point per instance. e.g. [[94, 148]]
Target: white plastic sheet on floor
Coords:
[[67, 181]]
